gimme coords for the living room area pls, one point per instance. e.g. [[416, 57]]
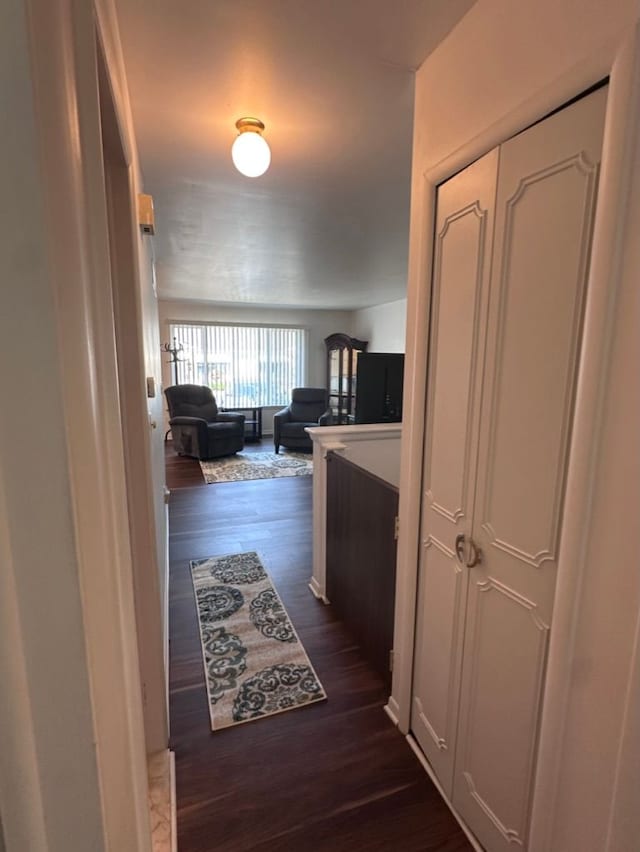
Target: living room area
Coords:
[[253, 357]]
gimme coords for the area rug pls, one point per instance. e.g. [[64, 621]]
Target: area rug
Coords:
[[243, 466], [254, 662]]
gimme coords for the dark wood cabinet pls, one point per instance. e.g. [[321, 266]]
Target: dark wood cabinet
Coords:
[[342, 365], [361, 557]]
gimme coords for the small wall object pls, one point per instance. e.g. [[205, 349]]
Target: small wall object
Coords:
[[146, 219]]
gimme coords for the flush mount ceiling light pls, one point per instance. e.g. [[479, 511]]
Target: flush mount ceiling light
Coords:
[[250, 153]]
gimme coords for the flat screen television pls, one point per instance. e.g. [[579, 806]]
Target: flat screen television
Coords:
[[379, 387]]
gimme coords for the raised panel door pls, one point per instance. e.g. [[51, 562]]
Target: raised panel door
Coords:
[[464, 226], [545, 204]]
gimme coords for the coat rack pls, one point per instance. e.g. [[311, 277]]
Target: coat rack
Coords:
[[174, 351]]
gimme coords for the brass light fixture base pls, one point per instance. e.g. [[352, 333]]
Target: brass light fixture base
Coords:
[[253, 124]]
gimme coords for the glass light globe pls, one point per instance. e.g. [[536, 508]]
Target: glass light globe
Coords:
[[250, 154]]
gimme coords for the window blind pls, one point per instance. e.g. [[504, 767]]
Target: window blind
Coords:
[[243, 365]]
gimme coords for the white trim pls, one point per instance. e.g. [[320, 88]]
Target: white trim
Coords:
[[391, 710], [418, 320], [165, 614], [415, 748], [64, 70], [151, 565], [358, 432], [622, 115], [174, 802], [124, 250], [316, 591]]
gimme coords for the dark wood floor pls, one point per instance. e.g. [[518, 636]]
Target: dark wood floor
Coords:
[[330, 777]]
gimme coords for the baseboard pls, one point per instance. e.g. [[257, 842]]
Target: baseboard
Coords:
[[317, 591], [427, 768], [165, 614], [174, 803], [392, 710]]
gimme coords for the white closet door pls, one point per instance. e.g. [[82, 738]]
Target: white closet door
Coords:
[[545, 203], [464, 230]]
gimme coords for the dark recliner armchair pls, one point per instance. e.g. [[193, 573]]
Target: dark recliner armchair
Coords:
[[308, 407], [197, 427]]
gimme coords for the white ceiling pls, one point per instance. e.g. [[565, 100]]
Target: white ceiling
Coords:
[[327, 225]]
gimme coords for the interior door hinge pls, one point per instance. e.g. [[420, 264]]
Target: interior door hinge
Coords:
[[391, 660], [396, 527]]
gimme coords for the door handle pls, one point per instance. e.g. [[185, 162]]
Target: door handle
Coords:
[[475, 554]]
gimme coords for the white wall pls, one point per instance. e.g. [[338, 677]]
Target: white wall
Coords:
[[498, 56], [48, 772], [73, 767], [383, 326], [501, 56]]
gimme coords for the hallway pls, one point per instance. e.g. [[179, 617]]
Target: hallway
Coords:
[[333, 776]]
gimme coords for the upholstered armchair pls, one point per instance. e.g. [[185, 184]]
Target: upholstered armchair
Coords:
[[197, 427], [308, 407]]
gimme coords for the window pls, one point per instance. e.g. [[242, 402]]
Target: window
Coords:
[[243, 365]]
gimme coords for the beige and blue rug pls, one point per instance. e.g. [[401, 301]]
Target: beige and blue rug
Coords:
[[243, 466], [254, 662]]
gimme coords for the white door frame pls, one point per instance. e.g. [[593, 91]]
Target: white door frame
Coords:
[[62, 52], [619, 62], [136, 426]]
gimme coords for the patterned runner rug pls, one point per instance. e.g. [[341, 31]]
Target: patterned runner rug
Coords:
[[254, 662], [256, 466]]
